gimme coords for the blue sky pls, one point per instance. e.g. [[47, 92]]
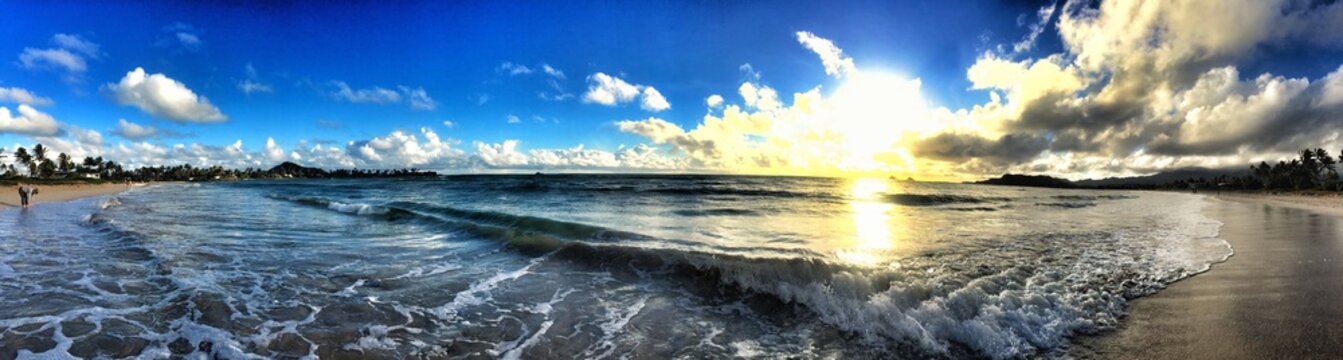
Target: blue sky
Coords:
[[459, 55], [686, 50]]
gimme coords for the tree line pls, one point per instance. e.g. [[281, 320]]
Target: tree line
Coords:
[[39, 164], [1312, 169]]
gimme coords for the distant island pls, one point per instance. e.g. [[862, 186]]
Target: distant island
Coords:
[[1029, 180]]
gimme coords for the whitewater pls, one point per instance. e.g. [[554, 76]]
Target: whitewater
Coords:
[[589, 266]]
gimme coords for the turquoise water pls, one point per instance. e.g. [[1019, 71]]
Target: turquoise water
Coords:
[[587, 266]]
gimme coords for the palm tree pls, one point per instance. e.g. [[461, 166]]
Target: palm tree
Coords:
[[64, 164], [24, 158], [39, 157]]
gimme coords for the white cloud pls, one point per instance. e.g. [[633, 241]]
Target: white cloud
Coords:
[[68, 56], [182, 35], [1038, 27], [28, 121], [252, 83], [133, 131], [374, 95], [248, 87], [546, 68], [23, 96], [189, 40], [449, 124], [161, 96], [749, 71], [401, 149], [514, 69], [653, 100], [274, 152], [513, 119], [417, 98], [714, 101], [52, 58], [519, 69], [503, 154], [76, 43], [655, 129], [610, 91], [836, 64]]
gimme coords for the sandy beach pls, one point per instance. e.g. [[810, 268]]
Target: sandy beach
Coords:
[[9, 195], [1277, 296]]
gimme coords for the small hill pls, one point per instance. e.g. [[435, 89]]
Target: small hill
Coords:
[[289, 169], [1029, 180]]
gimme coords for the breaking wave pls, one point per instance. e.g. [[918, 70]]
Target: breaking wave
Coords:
[[1006, 308]]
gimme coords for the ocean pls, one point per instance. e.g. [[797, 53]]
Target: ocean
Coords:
[[587, 266]]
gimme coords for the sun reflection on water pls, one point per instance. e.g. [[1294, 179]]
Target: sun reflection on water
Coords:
[[872, 225]]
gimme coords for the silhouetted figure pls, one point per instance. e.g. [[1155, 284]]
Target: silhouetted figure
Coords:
[[25, 193]]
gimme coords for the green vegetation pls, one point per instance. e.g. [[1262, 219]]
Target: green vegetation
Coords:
[[1313, 169], [40, 167]]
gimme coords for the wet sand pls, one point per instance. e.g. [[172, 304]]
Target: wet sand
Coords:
[[9, 195], [1280, 296]]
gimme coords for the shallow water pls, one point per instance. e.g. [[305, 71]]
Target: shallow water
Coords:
[[588, 266]]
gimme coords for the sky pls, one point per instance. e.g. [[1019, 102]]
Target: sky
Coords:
[[948, 90]]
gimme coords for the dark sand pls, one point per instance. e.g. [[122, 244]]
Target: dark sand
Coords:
[[1279, 297]]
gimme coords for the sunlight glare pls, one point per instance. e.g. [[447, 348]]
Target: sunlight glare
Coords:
[[872, 112]]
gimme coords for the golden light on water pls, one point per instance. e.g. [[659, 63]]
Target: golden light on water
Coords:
[[872, 225]]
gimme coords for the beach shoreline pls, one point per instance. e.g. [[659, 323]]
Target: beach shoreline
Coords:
[[1276, 296], [9, 195]]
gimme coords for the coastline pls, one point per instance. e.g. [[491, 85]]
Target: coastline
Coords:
[[1277, 295], [9, 195]]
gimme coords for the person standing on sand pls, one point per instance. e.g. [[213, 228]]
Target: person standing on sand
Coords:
[[26, 192]]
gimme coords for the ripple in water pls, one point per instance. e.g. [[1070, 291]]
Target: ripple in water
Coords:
[[587, 266]]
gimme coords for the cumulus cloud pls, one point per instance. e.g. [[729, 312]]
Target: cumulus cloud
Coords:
[[274, 152], [653, 100], [161, 96], [504, 154], [714, 101], [404, 149], [23, 96], [611, 91], [417, 98], [28, 121], [1145, 83]]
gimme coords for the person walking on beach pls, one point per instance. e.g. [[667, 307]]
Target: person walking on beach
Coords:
[[26, 192]]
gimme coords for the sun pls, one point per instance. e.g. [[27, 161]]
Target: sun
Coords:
[[870, 112]]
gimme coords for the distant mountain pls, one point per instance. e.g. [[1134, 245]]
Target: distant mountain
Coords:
[[1029, 180], [1160, 178]]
